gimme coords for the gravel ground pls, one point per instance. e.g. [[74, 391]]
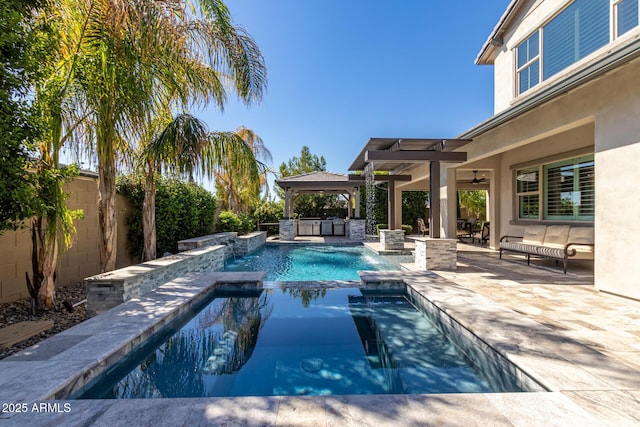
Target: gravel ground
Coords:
[[20, 310]]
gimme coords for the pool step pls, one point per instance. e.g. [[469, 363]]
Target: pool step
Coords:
[[235, 280]]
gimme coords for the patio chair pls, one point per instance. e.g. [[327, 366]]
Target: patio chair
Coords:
[[422, 227], [466, 229], [482, 233]]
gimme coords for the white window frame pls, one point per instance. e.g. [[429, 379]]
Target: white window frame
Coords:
[[541, 192], [613, 26], [519, 195], [526, 65], [614, 19]]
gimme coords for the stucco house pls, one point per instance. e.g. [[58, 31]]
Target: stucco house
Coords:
[[563, 145]]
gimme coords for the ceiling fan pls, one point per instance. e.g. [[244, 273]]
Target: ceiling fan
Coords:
[[475, 179]]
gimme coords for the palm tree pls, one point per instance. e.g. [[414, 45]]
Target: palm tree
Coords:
[[185, 146], [236, 191], [132, 57]]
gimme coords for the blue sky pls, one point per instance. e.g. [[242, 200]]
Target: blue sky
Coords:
[[343, 71]]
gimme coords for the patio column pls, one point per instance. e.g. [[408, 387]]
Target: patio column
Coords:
[[397, 207], [449, 215], [434, 198], [357, 212], [288, 204]]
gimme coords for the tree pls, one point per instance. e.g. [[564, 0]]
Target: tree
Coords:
[[308, 205], [131, 57], [186, 147], [238, 192], [17, 130], [414, 206], [306, 163], [474, 201], [31, 114]]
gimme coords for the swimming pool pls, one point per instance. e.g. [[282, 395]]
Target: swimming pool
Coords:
[[301, 341], [314, 262]]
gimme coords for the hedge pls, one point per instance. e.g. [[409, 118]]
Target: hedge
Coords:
[[183, 211]]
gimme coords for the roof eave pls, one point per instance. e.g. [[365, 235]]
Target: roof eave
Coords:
[[617, 58], [487, 52]]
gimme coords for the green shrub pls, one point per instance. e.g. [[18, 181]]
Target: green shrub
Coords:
[[381, 227], [228, 221], [408, 229], [247, 223], [183, 211], [269, 211]]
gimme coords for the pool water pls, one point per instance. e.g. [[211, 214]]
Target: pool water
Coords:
[[309, 262], [302, 341]]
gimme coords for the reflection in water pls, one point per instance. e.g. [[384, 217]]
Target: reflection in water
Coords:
[[220, 340], [300, 341], [306, 295]]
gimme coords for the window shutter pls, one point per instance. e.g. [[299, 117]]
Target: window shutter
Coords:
[[577, 31], [570, 190], [627, 15]]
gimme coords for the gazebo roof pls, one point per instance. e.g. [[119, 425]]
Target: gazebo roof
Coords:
[[318, 181]]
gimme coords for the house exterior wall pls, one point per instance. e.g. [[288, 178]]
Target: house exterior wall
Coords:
[[602, 117], [80, 261], [530, 16]]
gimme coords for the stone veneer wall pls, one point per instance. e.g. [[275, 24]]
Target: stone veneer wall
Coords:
[[108, 290], [436, 254], [288, 228], [210, 240], [356, 229], [391, 240], [244, 245]]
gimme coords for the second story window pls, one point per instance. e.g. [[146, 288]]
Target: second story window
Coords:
[[580, 29], [529, 63], [577, 31], [625, 14]]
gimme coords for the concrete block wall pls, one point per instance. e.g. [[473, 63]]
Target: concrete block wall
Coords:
[[80, 261]]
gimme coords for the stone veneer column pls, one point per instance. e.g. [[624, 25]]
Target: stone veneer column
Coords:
[[391, 240], [356, 229], [287, 229], [436, 254]]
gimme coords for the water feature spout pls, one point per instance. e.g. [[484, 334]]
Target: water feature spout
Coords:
[[370, 203]]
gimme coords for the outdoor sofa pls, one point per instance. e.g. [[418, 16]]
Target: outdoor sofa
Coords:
[[560, 242]]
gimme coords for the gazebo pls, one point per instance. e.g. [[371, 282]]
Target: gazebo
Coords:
[[321, 182]]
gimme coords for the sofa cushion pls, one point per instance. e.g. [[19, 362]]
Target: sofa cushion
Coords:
[[581, 235], [556, 236], [534, 234]]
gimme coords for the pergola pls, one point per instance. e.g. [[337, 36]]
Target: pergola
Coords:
[[321, 183], [397, 155]]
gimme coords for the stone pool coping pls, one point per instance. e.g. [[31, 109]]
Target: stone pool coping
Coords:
[[53, 368]]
